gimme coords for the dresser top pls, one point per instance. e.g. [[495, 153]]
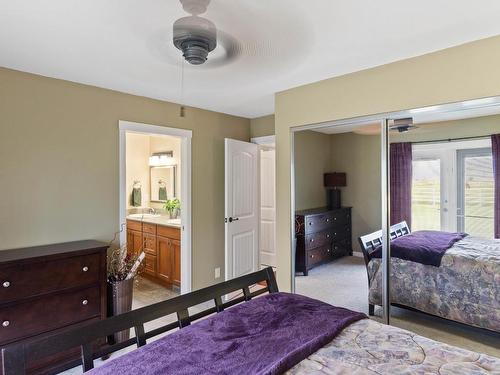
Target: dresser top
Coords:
[[318, 210], [48, 250]]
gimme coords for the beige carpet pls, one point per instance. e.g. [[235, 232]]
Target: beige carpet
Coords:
[[344, 283]]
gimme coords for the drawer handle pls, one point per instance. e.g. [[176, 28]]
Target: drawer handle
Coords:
[[327, 220], [311, 240], [6, 284], [328, 251], [312, 256], [310, 223], [328, 235], [85, 302], [85, 269], [335, 218], [5, 323]]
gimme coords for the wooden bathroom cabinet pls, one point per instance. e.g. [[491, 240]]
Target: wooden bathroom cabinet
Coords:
[[162, 247]]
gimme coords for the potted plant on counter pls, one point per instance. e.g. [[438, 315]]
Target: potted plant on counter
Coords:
[[122, 270], [173, 207]]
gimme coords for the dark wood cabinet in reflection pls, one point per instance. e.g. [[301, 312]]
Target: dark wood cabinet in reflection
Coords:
[[322, 235]]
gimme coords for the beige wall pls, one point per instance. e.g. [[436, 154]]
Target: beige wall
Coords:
[[137, 161], [465, 72], [59, 164], [313, 158], [262, 126], [359, 157], [139, 148]]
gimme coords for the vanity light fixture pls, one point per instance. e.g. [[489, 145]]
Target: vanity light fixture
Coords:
[[159, 159]]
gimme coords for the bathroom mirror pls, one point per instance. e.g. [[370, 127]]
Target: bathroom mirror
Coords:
[[162, 183]]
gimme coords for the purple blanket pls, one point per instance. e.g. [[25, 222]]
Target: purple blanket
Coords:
[[425, 247], [267, 335]]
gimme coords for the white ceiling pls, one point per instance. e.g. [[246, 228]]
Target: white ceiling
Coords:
[[125, 45]]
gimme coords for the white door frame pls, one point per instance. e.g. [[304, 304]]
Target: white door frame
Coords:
[[185, 135]]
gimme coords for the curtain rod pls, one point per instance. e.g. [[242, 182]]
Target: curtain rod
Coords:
[[451, 139]]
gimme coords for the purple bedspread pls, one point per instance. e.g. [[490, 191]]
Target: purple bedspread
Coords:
[[425, 247], [267, 335]]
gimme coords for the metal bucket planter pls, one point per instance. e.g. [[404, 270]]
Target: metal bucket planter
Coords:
[[120, 295]]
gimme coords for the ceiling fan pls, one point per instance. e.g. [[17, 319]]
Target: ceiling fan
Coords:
[[403, 125], [195, 36]]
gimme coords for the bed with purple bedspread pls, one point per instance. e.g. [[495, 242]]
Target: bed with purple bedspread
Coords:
[[450, 275], [290, 333]]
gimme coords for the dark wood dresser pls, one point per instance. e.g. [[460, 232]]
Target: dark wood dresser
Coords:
[[322, 235], [46, 289]]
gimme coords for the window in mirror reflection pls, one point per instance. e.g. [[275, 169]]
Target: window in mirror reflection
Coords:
[[426, 194], [475, 192], [453, 187]]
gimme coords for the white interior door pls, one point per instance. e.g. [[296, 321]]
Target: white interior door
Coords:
[[268, 207], [242, 207]]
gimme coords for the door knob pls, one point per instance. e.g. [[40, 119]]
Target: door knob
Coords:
[[231, 219]]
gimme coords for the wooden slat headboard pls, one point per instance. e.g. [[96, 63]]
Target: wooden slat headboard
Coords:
[[370, 241]]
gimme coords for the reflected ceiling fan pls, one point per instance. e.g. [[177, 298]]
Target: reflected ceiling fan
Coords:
[[403, 125]]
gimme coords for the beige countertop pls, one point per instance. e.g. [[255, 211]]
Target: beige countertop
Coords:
[[159, 220]]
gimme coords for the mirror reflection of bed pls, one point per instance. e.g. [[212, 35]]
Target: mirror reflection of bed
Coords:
[[447, 266], [442, 183]]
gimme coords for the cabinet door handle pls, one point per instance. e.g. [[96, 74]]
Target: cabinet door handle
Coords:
[[312, 255], [85, 269], [5, 323], [328, 235], [6, 284], [85, 302], [311, 240]]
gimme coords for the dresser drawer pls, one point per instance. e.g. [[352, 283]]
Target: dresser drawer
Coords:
[[150, 244], [47, 313], [341, 247], [317, 223], [149, 228], [134, 225], [318, 255], [31, 279], [339, 218], [169, 232], [343, 231], [318, 239]]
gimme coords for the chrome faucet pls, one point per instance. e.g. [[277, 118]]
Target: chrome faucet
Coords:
[[152, 211]]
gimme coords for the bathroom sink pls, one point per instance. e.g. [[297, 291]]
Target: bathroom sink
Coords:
[[143, 216]]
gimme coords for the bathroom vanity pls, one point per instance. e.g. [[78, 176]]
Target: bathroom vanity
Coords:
[[160, 238]]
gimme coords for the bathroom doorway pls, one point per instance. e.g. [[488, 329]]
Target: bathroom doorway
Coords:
[[155, 207]]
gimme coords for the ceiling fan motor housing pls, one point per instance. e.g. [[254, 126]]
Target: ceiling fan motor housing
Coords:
[[196, 37]]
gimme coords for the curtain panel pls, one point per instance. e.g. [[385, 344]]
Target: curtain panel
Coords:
[[400, 157]]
